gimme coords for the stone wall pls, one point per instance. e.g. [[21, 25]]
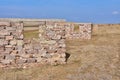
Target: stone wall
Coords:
[[11, 41], [50, 48], [53, 41], [79, 31], [17, 52]]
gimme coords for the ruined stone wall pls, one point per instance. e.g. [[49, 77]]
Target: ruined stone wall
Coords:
[[11, 41], [50, 48], [78, 31], [17, 52], [53, 41]]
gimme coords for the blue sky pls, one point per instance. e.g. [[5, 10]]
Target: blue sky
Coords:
[[95, 11]]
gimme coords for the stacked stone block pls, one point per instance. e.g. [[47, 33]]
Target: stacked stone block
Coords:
[[50, 48], [83, 32], [11, 41], [54, 44]]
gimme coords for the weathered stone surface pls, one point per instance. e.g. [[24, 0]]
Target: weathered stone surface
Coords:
[[2, 37], [9, 42], [13, 42], [21, 36], [9, 37], [4, 24], [5, 62], [31, 60], [21, 61], [10, 57], [1, 48], [11, 29], [2, 28], [4, 32]]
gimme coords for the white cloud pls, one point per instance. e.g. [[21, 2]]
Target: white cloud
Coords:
[[115, 12]]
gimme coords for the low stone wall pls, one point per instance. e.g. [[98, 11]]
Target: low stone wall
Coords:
[[17, 52], [53, 43], [78, 31], [50, 48], [11, 41]]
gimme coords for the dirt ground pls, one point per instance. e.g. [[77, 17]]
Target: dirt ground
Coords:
[[95, 59]]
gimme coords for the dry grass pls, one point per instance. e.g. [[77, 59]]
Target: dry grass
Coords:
[[95, 59], [31, 34]]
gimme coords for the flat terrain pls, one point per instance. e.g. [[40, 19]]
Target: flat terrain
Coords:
[[95, 59]]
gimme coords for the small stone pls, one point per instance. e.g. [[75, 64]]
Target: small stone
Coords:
[[21, 36], [4, 32], [14, 52], [4, 23], [9, 37], [1, 48], [57, 37], [21, 61], [13, 42], [5, 62], [10, 57], [10, 28], [2, 36], [62, 45], [31, 60], [8, 46]]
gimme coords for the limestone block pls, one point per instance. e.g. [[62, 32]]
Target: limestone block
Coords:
[[2, 28], [4, 23], [21, 36], [19, 48], [5, 62], [50, 42], [28, 46], [13, 42], [61, 50], [10, 28], [14, 52], [2, 36], [45, 55], [39, 59], [1, 48], [10, 57], [31, 60], [42, 51], [8, 46], [9, 37], [1, 42], [62, 45], [19, 30], [56, 37], [4, 32], [21, 61]]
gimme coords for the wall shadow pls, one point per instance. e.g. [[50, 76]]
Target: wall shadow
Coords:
[[67, 56]]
